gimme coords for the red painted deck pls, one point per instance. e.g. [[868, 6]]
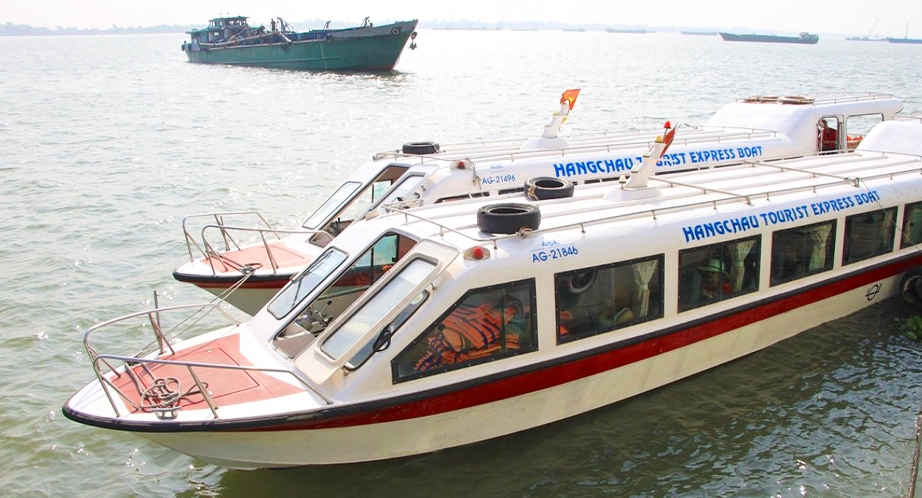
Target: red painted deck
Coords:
[[227, 387], [257, 257]]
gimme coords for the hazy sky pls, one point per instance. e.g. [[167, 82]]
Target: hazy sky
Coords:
[[850, 17]]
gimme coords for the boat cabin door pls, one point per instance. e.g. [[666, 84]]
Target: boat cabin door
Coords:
[[828, 133]]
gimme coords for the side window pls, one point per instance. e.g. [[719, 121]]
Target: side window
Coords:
[[858, 126], [605, 298], [868, 235], [485, 325], [802, 251], [718, 271], [912, 225]]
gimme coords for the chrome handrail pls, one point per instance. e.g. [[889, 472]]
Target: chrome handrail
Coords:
[[229, 235], [211, 253], [105, 363], [130, 362], [219, 219]]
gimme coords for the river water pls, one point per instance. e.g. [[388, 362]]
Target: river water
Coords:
[[106, 142]]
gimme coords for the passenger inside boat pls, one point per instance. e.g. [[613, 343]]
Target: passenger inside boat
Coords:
[[715, 282], [715, 272], [592, 301], [828, 135]]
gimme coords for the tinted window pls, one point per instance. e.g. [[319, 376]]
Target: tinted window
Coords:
[[485, 325], [595, 300], [868, 235], [802, 251], [717, 272]]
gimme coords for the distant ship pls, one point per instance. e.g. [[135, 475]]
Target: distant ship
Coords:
[[803, 38], [867, 37], [905, 38], [232, 41], [708, 33], [631, 31], [575, 30]]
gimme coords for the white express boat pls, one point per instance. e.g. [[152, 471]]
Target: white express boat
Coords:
[[224, 247], [497, 315]]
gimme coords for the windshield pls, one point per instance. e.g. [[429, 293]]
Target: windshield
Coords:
[[401, 191], [365, 318], [343, 193], [289, 297]]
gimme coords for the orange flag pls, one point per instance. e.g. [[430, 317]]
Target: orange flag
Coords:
[[569, 96], [667, 139]]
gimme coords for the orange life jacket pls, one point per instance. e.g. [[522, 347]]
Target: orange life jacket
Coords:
[[469, 332]]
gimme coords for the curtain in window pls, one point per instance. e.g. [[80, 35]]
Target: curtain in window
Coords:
[[643, 272], [738, 253], [819, 235], [914, 227]]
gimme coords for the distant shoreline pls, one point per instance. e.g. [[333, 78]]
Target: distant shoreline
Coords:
[[10, 29]]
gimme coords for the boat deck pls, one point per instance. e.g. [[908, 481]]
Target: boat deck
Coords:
[[167, 386]]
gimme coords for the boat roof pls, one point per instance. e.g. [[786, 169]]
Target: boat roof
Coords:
[[891, 149]]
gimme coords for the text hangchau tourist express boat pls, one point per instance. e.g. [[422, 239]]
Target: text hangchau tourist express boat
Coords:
[[490, 316], [232, 41], [225, 247]]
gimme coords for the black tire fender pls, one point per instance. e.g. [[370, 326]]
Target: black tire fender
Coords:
[[420, 148], [508, 218], [911, 287], [548, 187]]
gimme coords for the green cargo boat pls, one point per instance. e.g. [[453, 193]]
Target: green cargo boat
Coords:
[[231, 40]]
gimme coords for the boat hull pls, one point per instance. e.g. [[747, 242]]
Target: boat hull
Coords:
[[532, 396], [769, 39], [371, 49]]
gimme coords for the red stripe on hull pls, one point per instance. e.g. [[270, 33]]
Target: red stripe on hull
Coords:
[[556, 374]]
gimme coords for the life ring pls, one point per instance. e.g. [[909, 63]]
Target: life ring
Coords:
[[580, 282], [911, 287], [420, 148], [548, 187], [395, 31], [508, 218]]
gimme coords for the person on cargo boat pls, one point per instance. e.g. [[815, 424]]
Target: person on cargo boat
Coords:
[[715, 282], [828, 136]]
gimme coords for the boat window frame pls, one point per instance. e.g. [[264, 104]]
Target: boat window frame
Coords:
[[336, 334], [569, 293], [909, 225], [343, 257], [332, 205], [690, 274], [802, 259], [331, 212], [888, 223], [389, 196], [364, 354]]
